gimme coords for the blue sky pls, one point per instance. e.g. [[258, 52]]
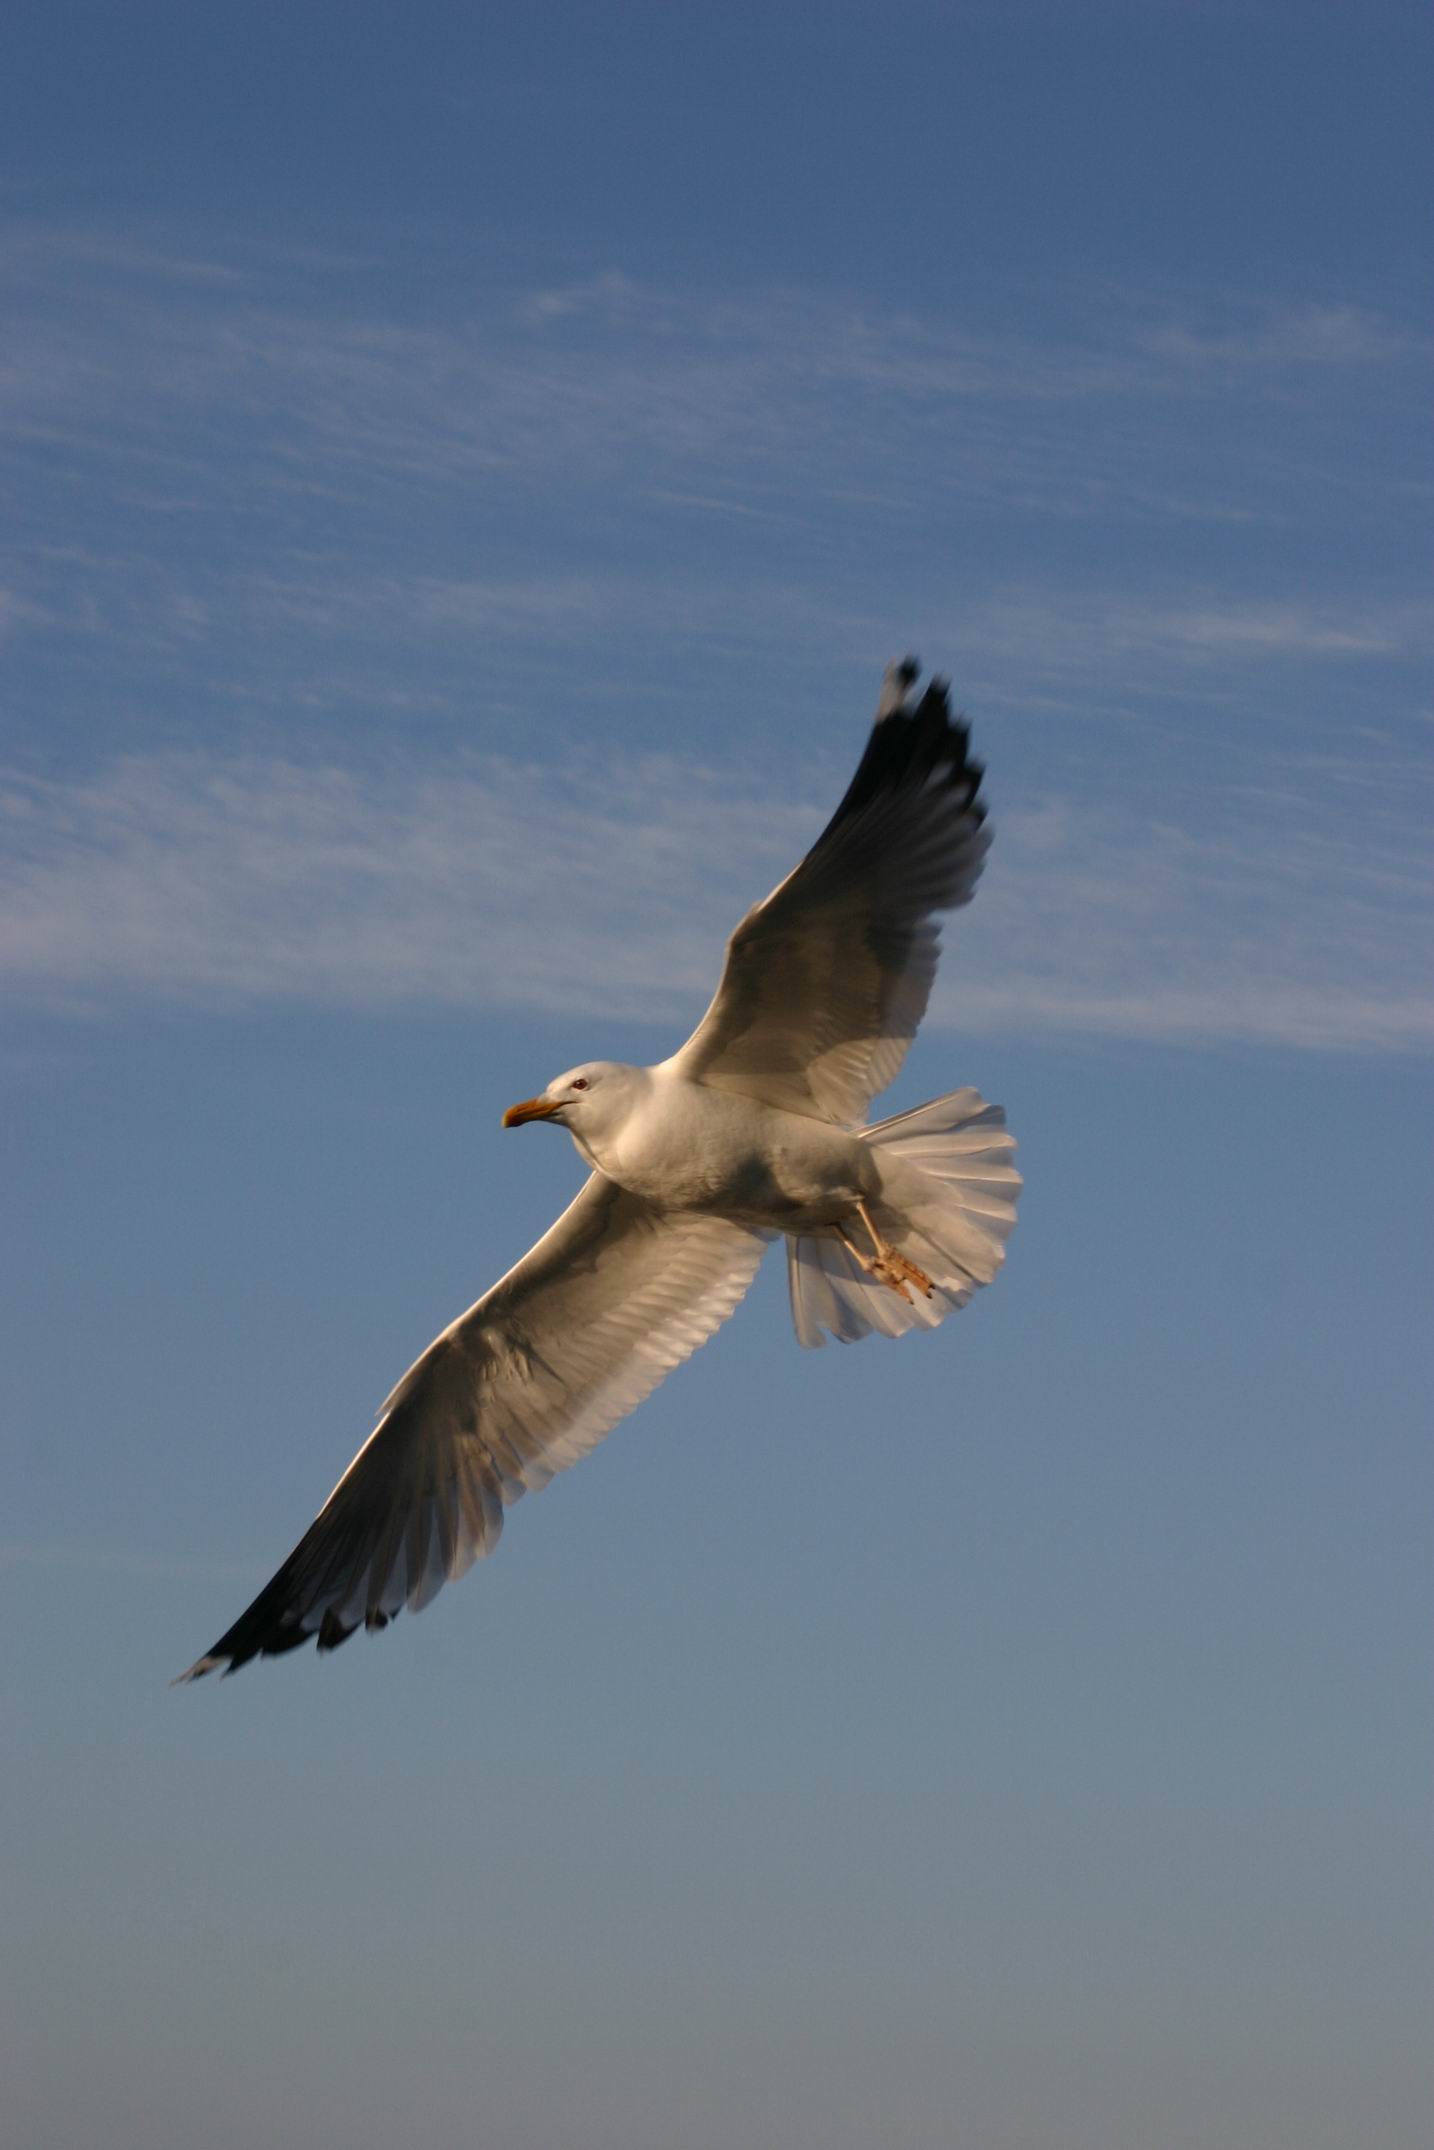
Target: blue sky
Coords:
[[463, 479]]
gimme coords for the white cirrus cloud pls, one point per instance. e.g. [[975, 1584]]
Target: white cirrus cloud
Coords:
[[1296, 912]]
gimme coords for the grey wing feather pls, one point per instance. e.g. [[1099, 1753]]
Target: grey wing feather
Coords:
[[610, 1299], [827, 980]]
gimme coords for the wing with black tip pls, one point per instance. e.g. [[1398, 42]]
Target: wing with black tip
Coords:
[[827, 980], [570, 1341]]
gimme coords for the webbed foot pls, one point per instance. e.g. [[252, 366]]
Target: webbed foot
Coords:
[[894, 1269], [885, 1263]]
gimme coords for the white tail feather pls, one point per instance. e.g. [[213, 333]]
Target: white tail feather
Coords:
[[948, 1203]]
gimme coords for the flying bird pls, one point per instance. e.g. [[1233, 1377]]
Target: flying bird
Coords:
[[755, 1130]]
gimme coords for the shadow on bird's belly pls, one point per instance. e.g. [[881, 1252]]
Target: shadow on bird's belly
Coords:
[[773, 1171]]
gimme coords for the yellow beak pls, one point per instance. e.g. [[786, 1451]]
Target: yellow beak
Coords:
[[532, 1108]]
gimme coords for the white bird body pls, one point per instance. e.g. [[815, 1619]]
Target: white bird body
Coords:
[[681, 1143], [755, 1129]]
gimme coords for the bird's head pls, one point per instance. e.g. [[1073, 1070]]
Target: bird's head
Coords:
[[588, 1101]]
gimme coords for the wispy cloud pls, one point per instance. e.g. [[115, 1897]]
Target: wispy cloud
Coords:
[[763, 389], [208, 448], [491, 881], [1277, 338], [1297, 910], [1063, 633], [30, 249], [1252, 913], [253, 500], [607, 293]]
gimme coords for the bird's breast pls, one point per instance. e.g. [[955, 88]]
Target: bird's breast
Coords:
[[732, 1156]]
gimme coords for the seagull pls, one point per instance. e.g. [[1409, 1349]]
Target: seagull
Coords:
[[755, 1130]]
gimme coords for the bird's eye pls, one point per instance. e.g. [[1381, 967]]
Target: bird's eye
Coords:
[[581, 1083]]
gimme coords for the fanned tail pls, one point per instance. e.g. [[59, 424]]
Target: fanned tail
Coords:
[[948, 1204]]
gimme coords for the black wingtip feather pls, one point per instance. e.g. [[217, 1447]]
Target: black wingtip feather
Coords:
[[269, 1637], [334, 1632], [913, 747]]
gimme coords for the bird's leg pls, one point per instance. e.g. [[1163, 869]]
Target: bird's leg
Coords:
[[886, 1265], [869, 1262]]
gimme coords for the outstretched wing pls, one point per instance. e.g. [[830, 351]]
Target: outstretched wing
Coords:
[[826, 981], [525, 1382]]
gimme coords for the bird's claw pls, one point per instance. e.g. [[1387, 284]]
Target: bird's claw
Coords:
[[894, 1269]]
